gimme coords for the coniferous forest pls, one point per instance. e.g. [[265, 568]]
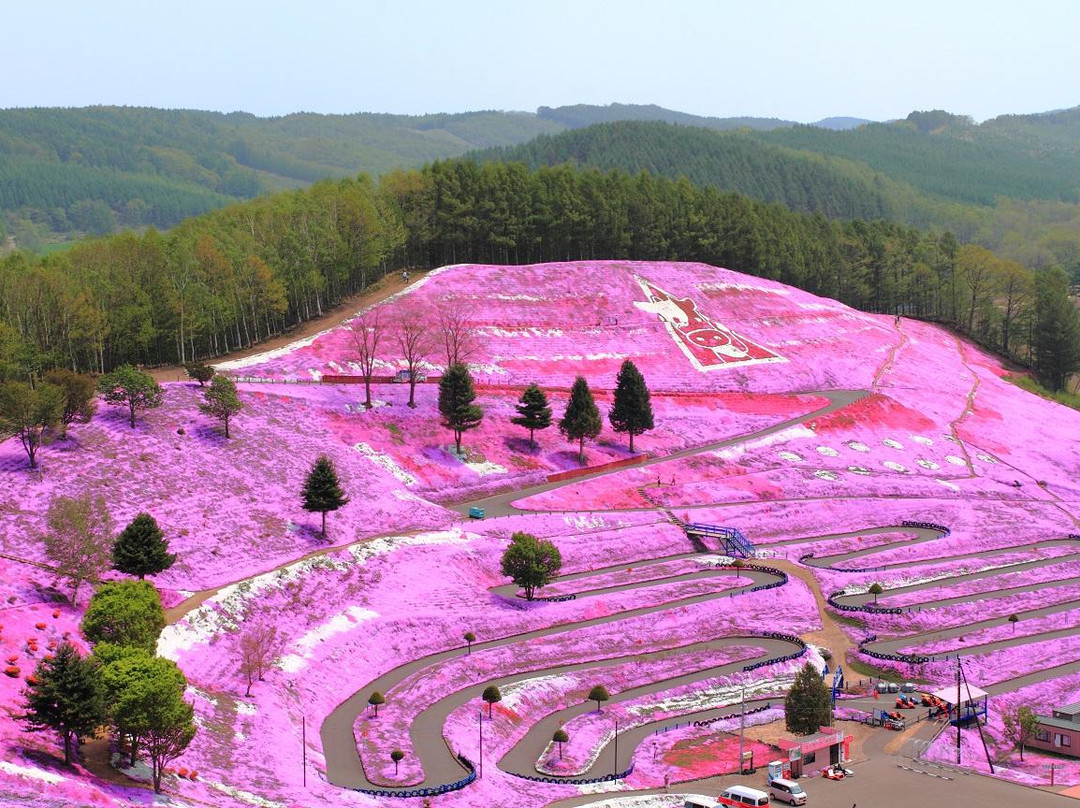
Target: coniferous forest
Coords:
[[232, 277]]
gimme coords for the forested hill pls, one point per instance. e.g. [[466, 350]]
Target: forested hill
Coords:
[[732, 161], [579, 116], [95, 169], [948, 156]]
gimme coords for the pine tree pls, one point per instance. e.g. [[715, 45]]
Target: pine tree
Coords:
[[141, 548], [65, 695], [221, 400], [456, 396], [581, 419], [322, 491], [533, 411], [631, 411], [808, 705]]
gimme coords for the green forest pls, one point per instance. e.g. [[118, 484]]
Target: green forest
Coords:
[[1010, 184], [234, 276]]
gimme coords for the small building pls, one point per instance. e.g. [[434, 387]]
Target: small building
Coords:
[[972, 706], [1059, 732], [811, 753]]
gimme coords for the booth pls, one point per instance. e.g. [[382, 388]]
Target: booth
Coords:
[[965, 703], [829, 747]]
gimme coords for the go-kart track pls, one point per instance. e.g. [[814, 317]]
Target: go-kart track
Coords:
[[850, 449]]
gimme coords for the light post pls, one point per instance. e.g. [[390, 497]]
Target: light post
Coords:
[[481, 755], [615, 773], [742, 720]]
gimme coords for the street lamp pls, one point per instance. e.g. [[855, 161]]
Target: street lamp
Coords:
[[615, 773], [481, 755]]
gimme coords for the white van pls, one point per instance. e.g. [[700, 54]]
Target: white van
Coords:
[[696, 801], [787, 791], [742, 795]]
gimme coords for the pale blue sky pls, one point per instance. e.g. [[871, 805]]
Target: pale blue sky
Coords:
[[799, 60]]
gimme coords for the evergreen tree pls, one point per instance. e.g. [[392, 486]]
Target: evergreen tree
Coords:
[[581, 419], [808, 704], [125, 613], [631, 411], [456, 396], [530, 562], [141, 548], [28, 412], [533, 411], [322, 491], [131, 387], [221, 400], [1057, 330], [65, 695]]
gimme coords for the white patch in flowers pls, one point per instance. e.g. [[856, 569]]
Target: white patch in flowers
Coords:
[[893, 444], [828, 451], [33, 773], [892, 466], [929, 465], [922, 440], [858, 446], [858, 470], [950, 486], [985, 458], [385, 462], [791, 457], [956, 461], [822, 474]]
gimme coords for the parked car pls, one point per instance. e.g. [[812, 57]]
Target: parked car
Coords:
[[787, 791]]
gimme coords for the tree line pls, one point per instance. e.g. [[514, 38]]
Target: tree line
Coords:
[[234, 277]]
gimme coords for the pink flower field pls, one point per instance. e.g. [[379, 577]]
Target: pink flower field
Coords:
[[810, 427]]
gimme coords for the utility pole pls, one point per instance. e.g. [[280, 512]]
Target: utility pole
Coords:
[[742, 721], [616, 772], [958, 709], [303, 744], [481, 725]]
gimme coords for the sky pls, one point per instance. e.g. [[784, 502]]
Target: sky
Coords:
[[799, 60]]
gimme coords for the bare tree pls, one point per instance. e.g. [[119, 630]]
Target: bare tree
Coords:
[[459, 342], [414, 338], [259, 645], [367, 333], [79, 539]]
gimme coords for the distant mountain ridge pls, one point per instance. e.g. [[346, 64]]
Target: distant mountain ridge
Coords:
[[69, 172]]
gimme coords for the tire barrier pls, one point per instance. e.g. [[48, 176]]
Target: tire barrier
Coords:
[[569, 781], [557, 598], [777, 635], [781, 575], [431, 791], [944, 531], [913, 659], [871, 608], [710, 721]]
